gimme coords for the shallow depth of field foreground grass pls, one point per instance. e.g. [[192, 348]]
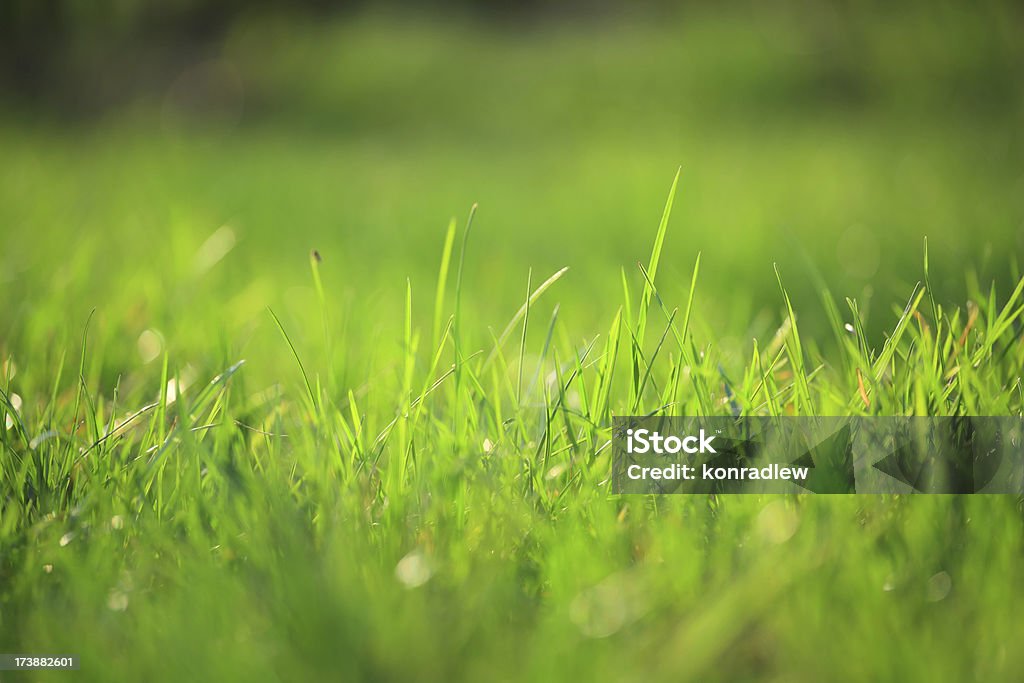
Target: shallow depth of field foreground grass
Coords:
[[449, 516], [266, 415]]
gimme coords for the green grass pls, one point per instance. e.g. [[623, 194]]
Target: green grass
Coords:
[[408, 476], [451, 517]]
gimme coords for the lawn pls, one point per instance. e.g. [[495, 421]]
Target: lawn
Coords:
[[309, 356]]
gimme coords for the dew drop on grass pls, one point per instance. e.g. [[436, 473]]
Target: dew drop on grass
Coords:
[[939, 586], [602, 610], [216, 247], [574, 400], [556, 471], [16, 403], [777, 522], [413, 570], [178, 385], [117, 601], [172, 390], [150, 345]]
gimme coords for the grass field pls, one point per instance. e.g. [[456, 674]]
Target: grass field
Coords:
[[272, 413]]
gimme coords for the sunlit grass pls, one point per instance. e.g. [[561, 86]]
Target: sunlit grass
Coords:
[[450, 516], [269, 412]]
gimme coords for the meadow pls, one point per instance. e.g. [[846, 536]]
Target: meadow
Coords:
[[309, 355]]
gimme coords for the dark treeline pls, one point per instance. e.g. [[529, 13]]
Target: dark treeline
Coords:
[[64, 50], [83, 55], [78, 57]]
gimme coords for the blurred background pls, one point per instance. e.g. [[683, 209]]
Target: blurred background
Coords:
[[155, 157]]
